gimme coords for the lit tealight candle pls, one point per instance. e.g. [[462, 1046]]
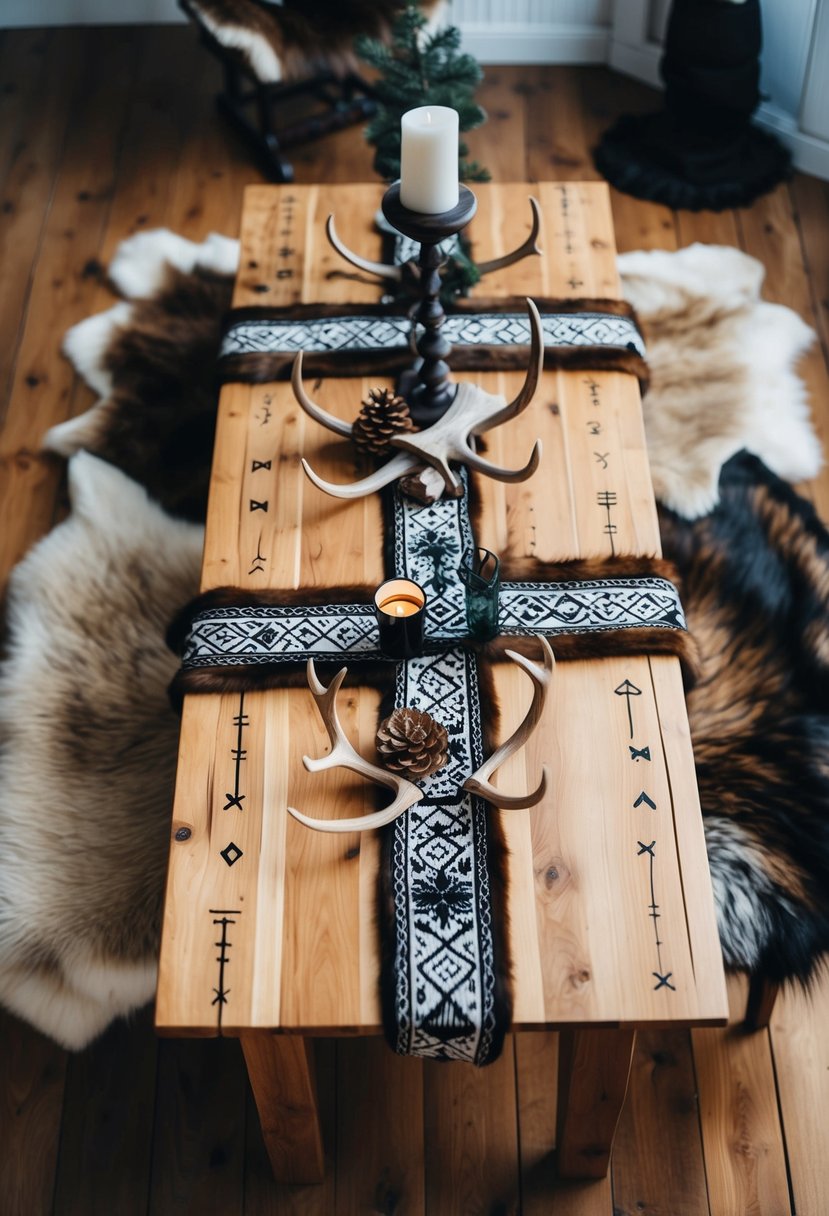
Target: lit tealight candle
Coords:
[[429, 159], [400, 608]]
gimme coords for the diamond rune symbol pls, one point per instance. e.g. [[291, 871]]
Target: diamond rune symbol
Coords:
[[231, 854]]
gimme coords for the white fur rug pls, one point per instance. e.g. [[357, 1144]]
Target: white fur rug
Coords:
[[84, 717]]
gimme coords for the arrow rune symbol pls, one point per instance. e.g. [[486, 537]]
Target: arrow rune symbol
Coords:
[[638, 754], [626, 689], [643, 797]]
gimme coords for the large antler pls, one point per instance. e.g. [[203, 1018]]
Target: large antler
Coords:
[[343, 755], [478, 783], [449, 439], [525, 250], [410, 270]]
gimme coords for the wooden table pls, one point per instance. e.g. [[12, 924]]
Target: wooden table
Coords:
[[611, 912]]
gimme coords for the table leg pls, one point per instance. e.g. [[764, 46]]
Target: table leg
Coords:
[[593, 1071], [762, 994], [281, 1071]]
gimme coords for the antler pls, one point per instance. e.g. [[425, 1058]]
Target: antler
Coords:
[[449, 439], [383, 270], [529, 247], [396, 273], [343, 755], [478, 783]]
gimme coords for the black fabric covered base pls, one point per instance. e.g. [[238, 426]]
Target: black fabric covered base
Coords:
[[652, 157]]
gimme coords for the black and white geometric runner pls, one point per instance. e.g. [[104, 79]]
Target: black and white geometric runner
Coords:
[[355, 334]]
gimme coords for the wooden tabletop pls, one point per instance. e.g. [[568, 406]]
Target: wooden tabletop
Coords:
[[609, 891]]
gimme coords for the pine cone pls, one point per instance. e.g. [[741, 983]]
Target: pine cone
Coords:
[[383, 414], [411, 743]]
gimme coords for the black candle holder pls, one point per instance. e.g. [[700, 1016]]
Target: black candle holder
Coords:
[[428, 388], [400, 611]]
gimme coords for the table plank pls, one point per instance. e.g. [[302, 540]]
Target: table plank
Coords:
[[304, 945]]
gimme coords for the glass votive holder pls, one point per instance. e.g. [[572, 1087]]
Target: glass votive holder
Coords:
[[480, 573], [400, 609]]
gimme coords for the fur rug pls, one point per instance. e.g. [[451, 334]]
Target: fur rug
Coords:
[[83, 843], [88, 755]]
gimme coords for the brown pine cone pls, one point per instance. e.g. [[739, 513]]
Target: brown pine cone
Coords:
[[411, 743], [382, 415]]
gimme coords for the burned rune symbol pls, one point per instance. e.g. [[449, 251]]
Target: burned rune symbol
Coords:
[[637, 753], [574, 282], [593, 390], [222, 917], [595, 427], [626, 689], [258, 564], [285, 251], [662, 978], [239, 753], [231, 854], [607, 499], [601, 458], [643, 797], [256, 465], [266, 412], [255, 505]]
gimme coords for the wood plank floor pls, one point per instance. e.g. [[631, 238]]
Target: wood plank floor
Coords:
[[105, 132]]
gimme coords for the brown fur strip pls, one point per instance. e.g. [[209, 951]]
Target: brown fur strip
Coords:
[[259, 677], [584, 569], [606, 645], [466, 305], [265, 367]]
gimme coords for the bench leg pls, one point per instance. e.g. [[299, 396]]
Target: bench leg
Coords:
[[593, 1071], [281, 1071], [762, 994]]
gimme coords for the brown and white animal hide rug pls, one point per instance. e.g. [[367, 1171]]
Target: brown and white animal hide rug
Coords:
[[88, 754], [722, 372], [293, 39], [88, 744]]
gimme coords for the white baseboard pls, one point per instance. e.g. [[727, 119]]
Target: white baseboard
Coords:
[[497, 42]]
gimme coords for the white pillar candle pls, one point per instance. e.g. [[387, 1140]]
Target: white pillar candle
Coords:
[[429, 159]]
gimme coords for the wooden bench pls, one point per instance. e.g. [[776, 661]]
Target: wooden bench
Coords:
[[611, 912]]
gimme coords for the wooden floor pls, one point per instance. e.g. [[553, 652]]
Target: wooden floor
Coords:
[[103, 132]]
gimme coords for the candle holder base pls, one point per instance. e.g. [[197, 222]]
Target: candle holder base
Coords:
[[427, 387]]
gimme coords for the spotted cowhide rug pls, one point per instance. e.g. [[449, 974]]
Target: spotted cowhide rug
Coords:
[[87, 777]]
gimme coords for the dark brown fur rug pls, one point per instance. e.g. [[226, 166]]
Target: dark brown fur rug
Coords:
[[755, 574]]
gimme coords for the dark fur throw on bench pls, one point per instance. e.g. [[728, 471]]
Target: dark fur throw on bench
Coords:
[[88, 606]]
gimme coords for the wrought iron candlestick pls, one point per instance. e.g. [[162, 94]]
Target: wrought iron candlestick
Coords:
[[428, 388]]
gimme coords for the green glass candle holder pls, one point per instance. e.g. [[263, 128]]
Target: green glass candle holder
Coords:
[[480, 573]]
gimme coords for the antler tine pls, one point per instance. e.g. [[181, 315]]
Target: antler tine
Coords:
[[343, 755], [478, 783], [398, 466], [496, 472], [383, 269], [529, 247], [534, 370], [311, 408]]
